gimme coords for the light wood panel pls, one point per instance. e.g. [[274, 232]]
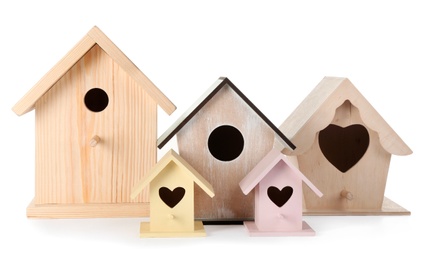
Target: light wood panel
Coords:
[[225, 108], [68, 168]]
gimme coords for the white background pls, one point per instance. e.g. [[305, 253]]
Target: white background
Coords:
[[275, 52]]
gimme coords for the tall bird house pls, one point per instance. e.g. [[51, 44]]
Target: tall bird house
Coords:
[[96, 132], [344, 146]]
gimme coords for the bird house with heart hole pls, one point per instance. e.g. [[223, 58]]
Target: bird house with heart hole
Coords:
[[278, 197], [223, 136], [171, 192], [96, 132], [344, 146]]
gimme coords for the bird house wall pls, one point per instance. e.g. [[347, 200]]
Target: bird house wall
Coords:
[[68, 169], [180, 218], [225, 108], [272, 217], [366, 180]]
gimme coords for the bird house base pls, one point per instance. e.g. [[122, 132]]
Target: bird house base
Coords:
[[199, 231], [255, 232], [389, 208], [90, 210]]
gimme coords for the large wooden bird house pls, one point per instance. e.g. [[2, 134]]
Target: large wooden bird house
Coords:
[[223, 136], [344, 146], [96, 132]]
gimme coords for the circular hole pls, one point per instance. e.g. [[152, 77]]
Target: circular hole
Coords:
[[96, 100], [225, 143]]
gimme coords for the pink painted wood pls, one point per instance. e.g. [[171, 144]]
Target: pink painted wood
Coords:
[[278, 193]]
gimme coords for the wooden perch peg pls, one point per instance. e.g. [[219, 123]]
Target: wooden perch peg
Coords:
[[94, 141], [170, 216], [346, 195]]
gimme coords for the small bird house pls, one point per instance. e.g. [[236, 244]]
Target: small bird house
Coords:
[[223, 136], [172, 194], [345, 147], [278, 197], [96, 128]]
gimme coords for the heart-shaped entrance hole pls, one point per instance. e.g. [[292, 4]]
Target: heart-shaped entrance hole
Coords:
[[279, 197], [344, 146], [171, 198]]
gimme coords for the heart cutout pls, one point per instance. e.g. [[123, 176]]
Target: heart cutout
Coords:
[[279, 197], [343, 146], [171, 198]]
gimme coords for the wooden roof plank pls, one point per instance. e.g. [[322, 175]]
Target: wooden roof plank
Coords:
[[27, 102], [208, 95], [94, 36]]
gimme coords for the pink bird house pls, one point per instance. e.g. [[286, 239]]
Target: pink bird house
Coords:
[[278, 197]]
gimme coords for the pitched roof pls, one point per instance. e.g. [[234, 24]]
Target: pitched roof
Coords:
[[203, 100], [94, 36], [317, 110], [172, 156], [249, 182]]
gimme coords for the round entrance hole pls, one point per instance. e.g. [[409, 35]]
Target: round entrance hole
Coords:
[[225, 143], [96, 100]]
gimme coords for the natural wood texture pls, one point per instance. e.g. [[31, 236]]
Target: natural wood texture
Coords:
[[336, 101], [88, 210], [253, 231], [388, 208], [366, 180], [94, 36], [203, 100], [223, 105], [68, 170], [347, 195], [226, 108], [317, 110], [146, 232], [130, 68], [94, 141], [92, 149]]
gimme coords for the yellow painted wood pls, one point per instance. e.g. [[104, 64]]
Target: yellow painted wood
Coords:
[[179, 218], [172, 172], [170, 156], [199, 231]]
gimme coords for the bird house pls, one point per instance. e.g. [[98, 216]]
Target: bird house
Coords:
[[172, 194], [345, 147], [278, 197], [223, 136], [96, 131]]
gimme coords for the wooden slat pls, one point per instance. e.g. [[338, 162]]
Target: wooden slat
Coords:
[[94, 36], [28, 101], [389, 208], [92, 210], [113, 51]]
